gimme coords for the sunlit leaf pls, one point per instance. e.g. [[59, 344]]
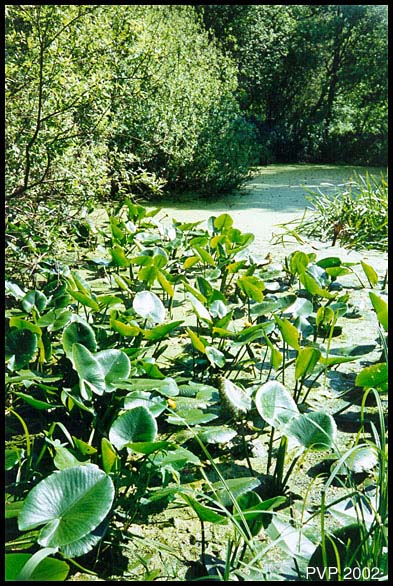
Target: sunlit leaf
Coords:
[[69, 503], [135, 425], [275, 404]]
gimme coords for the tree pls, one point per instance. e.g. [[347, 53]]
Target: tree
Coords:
[[107, 98], [309, 74]]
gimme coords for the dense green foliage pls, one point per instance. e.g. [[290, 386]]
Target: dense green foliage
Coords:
[[117, 409], [144, 354], [312, 78], [108, 99]]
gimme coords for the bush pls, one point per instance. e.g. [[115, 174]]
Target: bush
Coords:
[[103, 100]]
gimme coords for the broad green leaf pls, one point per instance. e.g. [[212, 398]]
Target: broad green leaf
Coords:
[[362, 459], [115, 365], [252, 333], [36, 403], [148, 448], [166, 386], [329, 262], [65, 459], [234, 267], [311, 285], [276, 358], [118, 255], [199, 308], [108, 300], [20, 348], [34, 299], [196, 341], [191, 261], [361, 506], [149, 306], [191, 416], [252, 287], [338, 271], [174, 460], [370, 273], [340, 545], [298, 262], [253, 510], [46, 570], [127, 330], [275, 404], [289, 332], [381, 309], [14, 290], [302, 307], [13, 455], [148, 274], [306, 360], [90, 372], [135, 425], [223, 222], [121, 282], [165, 284], [233, 488], [83, 447], [24, 324], [109, 455], [159, 332], [55, 319], [81, 284], [218, 309], [116, 229], [215, 356], [315, 430], [81, 332], [205, 514], [216, 434], [373, 376], [85, 300], [205, 256], [69, 503], [86, 543], [194, 292]]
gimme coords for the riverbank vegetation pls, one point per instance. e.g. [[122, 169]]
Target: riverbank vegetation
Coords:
[[179, 406]]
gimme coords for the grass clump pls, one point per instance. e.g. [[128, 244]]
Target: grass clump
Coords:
[[356, 214]]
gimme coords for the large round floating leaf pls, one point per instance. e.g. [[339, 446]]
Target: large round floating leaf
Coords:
[[115, 365], [70, 503], [149, 306], [20, 347], [316, 431], [275, 404], [34, 299], [90, 372], [78, 332], [86, 543], [135, 425]]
